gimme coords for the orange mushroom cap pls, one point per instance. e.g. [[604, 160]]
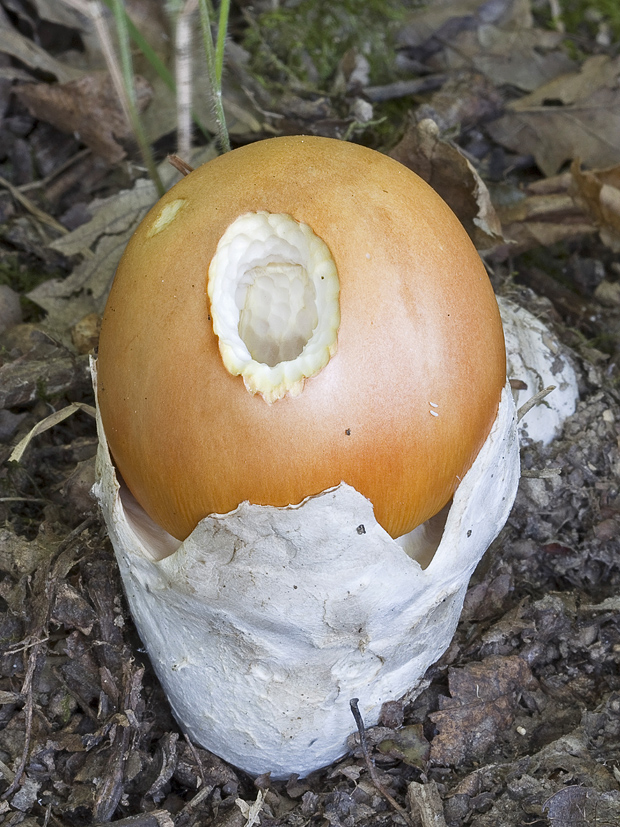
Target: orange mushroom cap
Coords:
[[399, 411]]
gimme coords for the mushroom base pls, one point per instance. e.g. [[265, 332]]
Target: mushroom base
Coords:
[[538, 360], [265, 622]]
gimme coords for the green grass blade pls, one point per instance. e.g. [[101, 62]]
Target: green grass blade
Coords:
[[120, 19], [222, 28], [145, 47], [214, 57], [153, 58]]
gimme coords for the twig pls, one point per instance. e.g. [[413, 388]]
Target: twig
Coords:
[[196, 800], [535, 400], [28, 693], [196, 758], [29, 643], [23, 500], [43, 182], [541, 473], [84, 706], [179, 164], [403, 88], [42, 216], [73, 535], [251, 812], [371, 767], [156, 818], [426, 800]]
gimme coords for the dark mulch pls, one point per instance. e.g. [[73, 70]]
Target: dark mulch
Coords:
[[518, 723]]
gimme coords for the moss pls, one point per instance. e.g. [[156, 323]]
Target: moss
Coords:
[[23, 277], [19, 276], [551, 259], [391, 118], [304, 42], [582, 18]]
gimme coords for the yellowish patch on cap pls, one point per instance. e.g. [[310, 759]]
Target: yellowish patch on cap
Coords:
[[166, 216]]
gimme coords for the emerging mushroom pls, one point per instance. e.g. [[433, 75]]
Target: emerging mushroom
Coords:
[[299, 334]]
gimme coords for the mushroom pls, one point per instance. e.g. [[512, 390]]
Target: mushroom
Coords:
[[302, 386]]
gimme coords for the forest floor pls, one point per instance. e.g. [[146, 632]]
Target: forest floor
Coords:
[[515, 119]]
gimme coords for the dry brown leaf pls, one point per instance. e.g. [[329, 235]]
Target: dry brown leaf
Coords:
[[444, 19], [62, 14], [89, 57], [578, 804], [85, 290], [448, 171], [595, 73], [563, 208], [483, 704], [465, 99], [524, 58], [581, 120], [600, 190], [101, 242], [29, 53], [496, 39], [89, 107], [541, 220]]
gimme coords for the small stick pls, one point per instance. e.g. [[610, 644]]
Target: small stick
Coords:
[[371, 767], [156, 818], [427, 801], [32, 208], [196, 757], [179, 164], [535, 400], [28, 693]]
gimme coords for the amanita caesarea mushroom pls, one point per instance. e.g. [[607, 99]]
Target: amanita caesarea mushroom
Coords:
[[302, 387]]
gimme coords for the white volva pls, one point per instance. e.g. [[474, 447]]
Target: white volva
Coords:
[[266, 621], [535, 356]]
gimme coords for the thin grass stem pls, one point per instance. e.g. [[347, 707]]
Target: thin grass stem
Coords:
[[222, 29], [214, 59], [145, 47], [120, 19], [153, 58]]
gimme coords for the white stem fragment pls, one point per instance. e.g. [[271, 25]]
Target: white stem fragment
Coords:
[[536, 357]]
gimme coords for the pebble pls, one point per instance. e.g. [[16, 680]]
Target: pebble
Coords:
[[10, 308], [9, 423], [608, 293]]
